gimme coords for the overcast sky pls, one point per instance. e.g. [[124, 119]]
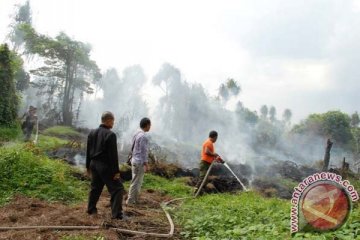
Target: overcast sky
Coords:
[[302, 55]]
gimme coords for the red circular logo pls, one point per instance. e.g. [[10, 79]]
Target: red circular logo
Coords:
[[325, 206]]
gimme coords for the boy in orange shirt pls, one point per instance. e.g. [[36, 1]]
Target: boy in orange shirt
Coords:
[[208, 155]]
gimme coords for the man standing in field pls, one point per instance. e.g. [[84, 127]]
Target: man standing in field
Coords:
[[139, 161], [208, 155], [29, 123], [102, 164]]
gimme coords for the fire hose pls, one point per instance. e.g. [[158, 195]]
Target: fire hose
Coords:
[[207, 175], [126, 231], [37, 131], [205, 178]]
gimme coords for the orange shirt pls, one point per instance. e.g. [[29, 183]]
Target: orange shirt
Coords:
[[205, 157]]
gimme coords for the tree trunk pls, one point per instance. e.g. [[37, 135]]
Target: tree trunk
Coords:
[[67, 103], [327, 155]]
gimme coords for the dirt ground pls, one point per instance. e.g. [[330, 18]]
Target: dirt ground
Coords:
[[24, 211]]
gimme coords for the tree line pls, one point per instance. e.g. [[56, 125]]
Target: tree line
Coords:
[[64, 73]]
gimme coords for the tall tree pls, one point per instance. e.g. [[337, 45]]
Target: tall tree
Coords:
[[16, 36], [233, 86], [123, 95], [264, 111], [168, 79], [22, 16], [239, 107], [332, 124], [229, 89], [22, 77], [224, 92], [355, 120], [272, 113], [9, 101], [287, 115], [67, 62], [184, 107]]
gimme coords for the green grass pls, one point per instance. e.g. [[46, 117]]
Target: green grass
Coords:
[[26, 170], [174, 188], [13, 137], [48, 143], [355, 182], [248, 216], [9, 133], [82, 237], [22, 171], [45, 143], [61, 131]]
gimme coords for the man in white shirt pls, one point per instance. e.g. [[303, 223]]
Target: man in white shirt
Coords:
[[139, 161]]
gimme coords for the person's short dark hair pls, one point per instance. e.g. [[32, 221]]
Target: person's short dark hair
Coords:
[[213, 134], [144, 122], [107, 116]]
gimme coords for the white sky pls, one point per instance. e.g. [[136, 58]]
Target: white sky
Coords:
[[300, 55]]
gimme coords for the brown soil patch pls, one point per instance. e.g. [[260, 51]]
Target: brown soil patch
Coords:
[[25, 211]]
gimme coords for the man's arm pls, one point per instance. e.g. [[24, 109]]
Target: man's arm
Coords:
[[210, 153], [23, 116], [88, 146], [88, 157], [113, 154], [144, 144], [215, 155]]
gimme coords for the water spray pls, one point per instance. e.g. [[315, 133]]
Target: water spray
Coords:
[[208, 172], [227, 166]]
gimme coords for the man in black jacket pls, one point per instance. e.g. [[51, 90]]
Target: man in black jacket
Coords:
[[103, 165]]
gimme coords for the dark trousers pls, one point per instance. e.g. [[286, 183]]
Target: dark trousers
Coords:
[[27, 132], [204, 167], [100, 176]]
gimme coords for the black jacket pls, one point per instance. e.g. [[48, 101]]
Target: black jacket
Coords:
[[102, 146]]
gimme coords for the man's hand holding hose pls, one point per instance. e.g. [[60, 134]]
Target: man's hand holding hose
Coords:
[[219, 159], [215, 155], [116, 176]]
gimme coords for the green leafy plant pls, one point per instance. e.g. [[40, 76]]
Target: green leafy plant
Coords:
[[248, 216]]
